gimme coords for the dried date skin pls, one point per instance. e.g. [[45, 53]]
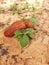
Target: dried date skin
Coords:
[[29, 24], [9, 32]]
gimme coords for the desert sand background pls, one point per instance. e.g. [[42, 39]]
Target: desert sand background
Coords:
[[37, 53]]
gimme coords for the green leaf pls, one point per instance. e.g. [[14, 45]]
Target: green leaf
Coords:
[[33, 20], [24, 35], [26, 31], [30, 32], [24, 41], [18, 34], [31, 35], [23, 31]]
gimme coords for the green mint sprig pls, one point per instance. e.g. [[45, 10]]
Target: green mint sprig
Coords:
[[33, 20], [24, 36]]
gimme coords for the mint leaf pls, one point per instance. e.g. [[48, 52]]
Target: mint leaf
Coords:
[[26, 31], [33, 20], [24, 35], [30, 32], [31, 35], [24, 41], [18, 34]]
